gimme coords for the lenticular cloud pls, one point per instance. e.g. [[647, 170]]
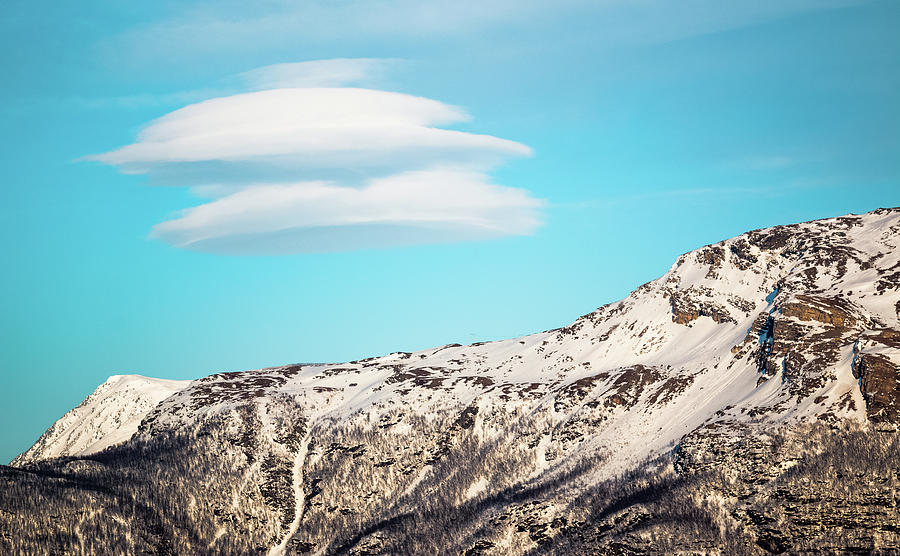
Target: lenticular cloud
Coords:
[[432, 206], [296, 170], [319, 127]]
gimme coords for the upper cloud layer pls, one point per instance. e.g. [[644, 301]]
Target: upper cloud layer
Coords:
[[313, 168], [338, 72], [204, 31], [313, 128]]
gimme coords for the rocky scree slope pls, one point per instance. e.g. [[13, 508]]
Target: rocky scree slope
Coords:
[[745, 402]]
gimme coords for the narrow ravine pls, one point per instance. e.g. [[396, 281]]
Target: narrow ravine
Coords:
[[299, 500]]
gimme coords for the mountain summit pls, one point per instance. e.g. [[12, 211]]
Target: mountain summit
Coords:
[[747, 401]]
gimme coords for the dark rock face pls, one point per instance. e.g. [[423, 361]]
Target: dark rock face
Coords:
[[173, 495], [879, 381], [811, 489], [688, 305], [835, 311]]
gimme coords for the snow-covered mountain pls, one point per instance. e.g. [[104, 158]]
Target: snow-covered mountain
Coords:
[[731, 363], [108, 416]]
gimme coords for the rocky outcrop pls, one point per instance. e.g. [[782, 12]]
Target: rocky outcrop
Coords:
[[812, 488], [879, 382], [836, 312], [688, 305]]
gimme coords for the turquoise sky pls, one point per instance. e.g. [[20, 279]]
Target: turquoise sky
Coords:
[[622, 134]]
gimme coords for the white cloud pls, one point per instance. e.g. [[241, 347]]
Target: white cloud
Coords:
[[417, 207], [206, 30], [208, 27], [339, 72], [295, 170], [313, 128]]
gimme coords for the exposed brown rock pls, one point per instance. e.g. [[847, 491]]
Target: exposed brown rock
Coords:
[[712, 255], [671, 388], [629, 386], [879, 382], [742, 254], [572, 394], [890, 281], [887, 336], [771, 238], [686, 307], [833, 311]]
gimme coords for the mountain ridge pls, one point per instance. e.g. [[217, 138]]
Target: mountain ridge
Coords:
[[747, 340]]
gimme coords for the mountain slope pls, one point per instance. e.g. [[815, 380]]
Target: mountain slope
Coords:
[[732, 360], [111, 414]]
